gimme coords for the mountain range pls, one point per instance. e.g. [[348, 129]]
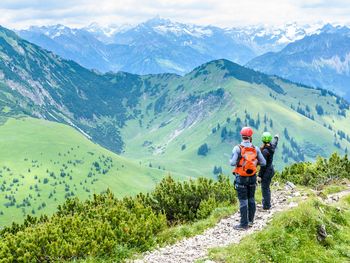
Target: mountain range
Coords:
[[161, 123], [319, 60], [315, 55], [160, 45]]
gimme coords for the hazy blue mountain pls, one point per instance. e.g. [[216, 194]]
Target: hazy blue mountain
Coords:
[[320, 60], [160, 45], [74, 44], [264, 39]]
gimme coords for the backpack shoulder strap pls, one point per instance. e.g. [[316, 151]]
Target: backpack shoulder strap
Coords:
[[255, 150], [239, 155]]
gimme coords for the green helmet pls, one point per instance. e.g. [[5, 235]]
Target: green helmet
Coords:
[[266, 137]]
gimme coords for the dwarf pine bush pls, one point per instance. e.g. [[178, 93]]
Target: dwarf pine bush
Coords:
[[106, 226], [80, 229], [318, 173], [181, 201]]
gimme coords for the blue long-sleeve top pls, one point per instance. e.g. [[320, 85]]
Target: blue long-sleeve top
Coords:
[[236, 152]]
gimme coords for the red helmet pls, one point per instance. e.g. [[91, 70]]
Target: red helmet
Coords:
[[247, 131]]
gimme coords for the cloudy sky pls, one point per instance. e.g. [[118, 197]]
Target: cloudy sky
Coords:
[[225, 13]]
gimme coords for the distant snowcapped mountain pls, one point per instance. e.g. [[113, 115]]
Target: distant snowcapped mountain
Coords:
[[106, 33], [320, 60], [74, 44], [53, 31], [161, 45], [264, 39], [166, 26], [260, 38]]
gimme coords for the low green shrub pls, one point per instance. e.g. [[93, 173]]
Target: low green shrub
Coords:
[[316, 174], [109, 227], [80, 229], [181, 201]]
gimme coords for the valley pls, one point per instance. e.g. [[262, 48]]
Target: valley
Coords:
[[43, 163]]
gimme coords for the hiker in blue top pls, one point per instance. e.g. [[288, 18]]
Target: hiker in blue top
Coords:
[[245, 158], [267, 172]]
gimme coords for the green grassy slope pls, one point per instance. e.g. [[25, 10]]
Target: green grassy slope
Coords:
[[295, 236], [42, 163], [40, 84], [184, 111]]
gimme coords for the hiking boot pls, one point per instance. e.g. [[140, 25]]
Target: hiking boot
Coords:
[[240, 227], [250, 224]]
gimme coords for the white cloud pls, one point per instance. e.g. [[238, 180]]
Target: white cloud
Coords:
[[23, 13]]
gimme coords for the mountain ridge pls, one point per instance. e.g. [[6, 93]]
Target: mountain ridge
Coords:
[[320, 60]]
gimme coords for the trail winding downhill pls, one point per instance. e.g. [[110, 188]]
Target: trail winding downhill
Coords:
[[223, 234]]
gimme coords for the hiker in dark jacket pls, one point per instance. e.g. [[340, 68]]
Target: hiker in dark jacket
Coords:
[[245, 158], [267, 172]]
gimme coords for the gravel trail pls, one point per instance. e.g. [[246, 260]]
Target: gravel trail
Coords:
[[223, 234]]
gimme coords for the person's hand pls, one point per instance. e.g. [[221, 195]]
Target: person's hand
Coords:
[[277, 136]]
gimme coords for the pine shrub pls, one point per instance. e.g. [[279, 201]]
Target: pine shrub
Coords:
[[106, 226], [180, 201], [318, 173]]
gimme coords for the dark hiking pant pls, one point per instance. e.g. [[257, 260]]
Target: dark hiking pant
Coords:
[[245, 186], [266, 178]]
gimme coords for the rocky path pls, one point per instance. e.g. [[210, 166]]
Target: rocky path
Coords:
[[335, 197], [223, 234]]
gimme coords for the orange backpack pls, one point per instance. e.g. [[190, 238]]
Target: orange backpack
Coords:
[[248, 162]]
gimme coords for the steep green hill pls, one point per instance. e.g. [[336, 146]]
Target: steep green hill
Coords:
[[43, 163], [211, 104], [38, 83]]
